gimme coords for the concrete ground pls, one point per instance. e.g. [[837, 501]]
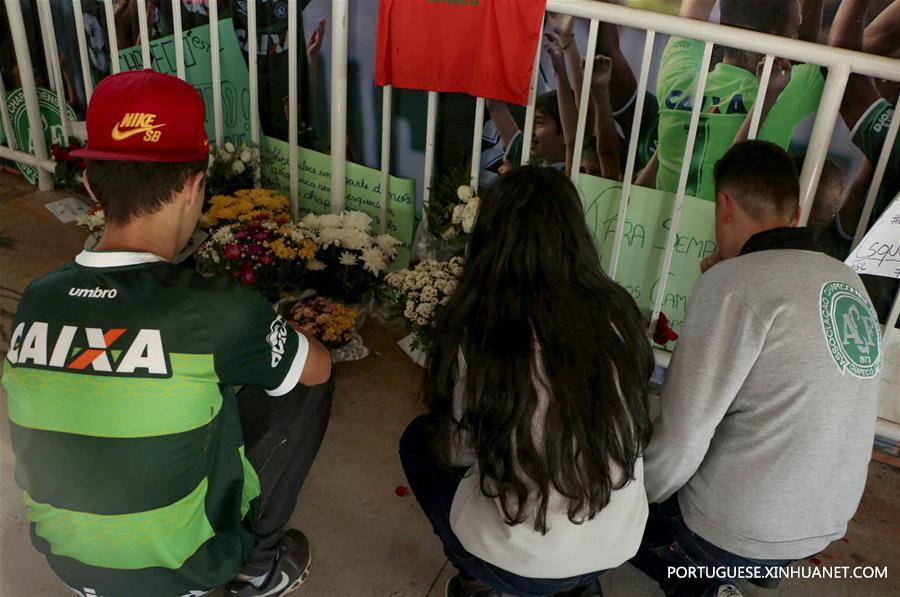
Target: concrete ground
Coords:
[[366, 540]]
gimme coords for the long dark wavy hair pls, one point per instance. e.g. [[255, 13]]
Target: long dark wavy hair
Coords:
[[532, 277]]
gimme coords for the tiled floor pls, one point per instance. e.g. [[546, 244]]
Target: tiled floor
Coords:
[[366, 540]]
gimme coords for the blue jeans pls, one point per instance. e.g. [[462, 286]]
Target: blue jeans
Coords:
[[434, 488], [668, 542]]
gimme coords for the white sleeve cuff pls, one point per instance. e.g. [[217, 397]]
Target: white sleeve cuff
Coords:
[[293, 375]]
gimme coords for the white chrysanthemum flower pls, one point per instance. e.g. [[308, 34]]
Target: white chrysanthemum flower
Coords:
[[388, 244], [238, 167], [465, 193], [329, 221], [310, 221], [229, 147], [269, 225], [449, 233], [246, 156], [331, 236], [358, 220], [355, 239], [315, 265], [347, 258], [210, 161], [373, 260], [223, 235]]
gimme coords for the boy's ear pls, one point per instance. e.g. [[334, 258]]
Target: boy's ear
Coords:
[[195, 188], [724, 206], [795, 219]]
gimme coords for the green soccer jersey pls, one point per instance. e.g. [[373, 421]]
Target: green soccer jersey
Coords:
[[124, 422], [729, 96]]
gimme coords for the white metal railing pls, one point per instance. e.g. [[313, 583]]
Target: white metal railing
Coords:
[[840, 63]]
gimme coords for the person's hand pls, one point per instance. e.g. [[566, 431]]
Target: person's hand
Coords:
[[781, 76], [602, 71], [553, 45], [561, 24], [315, 41], [710, 261]]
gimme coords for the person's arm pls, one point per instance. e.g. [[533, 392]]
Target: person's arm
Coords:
[[568, 113], [563, 26], [313, 46], [608, 146], [811, 25], [647, 177], [847, 32], [781, 76], [696, 9], [719, 343], [503, 121], [257, 347], [622, 85], [882, 36]]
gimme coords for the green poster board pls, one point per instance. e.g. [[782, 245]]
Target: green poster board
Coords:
[[53, 131], [647, 224], [363, 190], [198, 72]]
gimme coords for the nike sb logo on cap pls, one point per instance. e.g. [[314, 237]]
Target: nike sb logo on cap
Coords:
[[137, 123]]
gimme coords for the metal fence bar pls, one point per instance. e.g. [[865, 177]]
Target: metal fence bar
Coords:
[[732, 37], [26, 73], [178, 35], [339, 44], [386, 105], [532, 94], [430, 126], [252, 63], [111, 34], [145, 34], [760, 97], [632, 151], [82, 50], [48, 33], [292, 109], [877, 178], [49, 50], [216, 69], [682, 181], [820, 139], [476, 143], [585, 102]]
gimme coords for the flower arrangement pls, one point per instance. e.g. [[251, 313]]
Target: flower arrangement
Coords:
[[230, 168], [420, 292], [69, 171], [350, 260], [331, 323], [252, 239], [244, 205]]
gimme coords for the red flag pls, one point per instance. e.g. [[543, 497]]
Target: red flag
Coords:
[[481, 47]]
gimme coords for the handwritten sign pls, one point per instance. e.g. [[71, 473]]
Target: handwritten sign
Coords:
[[879, 252], [198, 72], [363, 190], [645, 233]]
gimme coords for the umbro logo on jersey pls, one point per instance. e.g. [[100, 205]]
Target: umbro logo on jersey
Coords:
[[104, 352], [93, 292]]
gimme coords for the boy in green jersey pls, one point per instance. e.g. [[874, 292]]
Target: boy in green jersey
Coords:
[[141, 471], [730, 92]]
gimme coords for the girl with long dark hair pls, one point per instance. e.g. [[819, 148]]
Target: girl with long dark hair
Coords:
[[528, 463]]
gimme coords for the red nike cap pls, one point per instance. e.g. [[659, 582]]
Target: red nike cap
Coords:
[[145, 116]]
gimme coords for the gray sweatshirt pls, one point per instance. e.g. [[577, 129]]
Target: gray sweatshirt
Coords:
[[768, 412]]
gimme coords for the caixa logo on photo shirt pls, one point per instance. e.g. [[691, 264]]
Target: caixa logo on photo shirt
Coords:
[[97, 351]]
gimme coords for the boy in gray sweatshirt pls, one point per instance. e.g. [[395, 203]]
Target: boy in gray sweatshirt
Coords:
[[760, 454]]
